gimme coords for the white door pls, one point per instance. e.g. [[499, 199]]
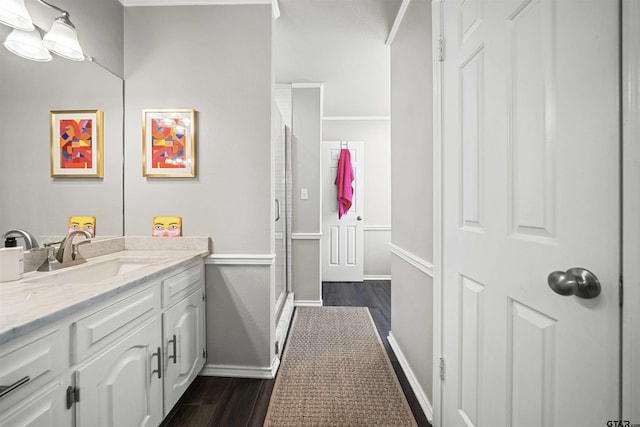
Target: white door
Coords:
[[122, 387], [342, 239], [184, 338], [531, 186]]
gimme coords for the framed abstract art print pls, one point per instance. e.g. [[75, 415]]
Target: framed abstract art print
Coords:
[[76, 144], [169, 143]]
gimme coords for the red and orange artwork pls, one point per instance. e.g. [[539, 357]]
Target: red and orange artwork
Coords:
[[76, 144], [168, 137]]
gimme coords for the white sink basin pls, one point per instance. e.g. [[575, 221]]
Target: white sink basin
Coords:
[[97, 271]]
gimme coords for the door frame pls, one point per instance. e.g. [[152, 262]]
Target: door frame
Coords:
[[630, 134], [630, 103], [437, 50]]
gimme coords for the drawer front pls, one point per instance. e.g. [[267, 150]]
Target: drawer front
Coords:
[[176, 287], [30, 363], [97, 330], [46, 409]]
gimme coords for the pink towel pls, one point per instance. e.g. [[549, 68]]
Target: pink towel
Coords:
[[344, 180]]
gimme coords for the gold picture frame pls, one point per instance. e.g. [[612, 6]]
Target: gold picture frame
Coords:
[[169, 143], [77, 143]]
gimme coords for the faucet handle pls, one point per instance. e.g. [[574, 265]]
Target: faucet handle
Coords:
[[75, 254]]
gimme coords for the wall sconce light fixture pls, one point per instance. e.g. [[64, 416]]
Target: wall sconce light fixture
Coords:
[[25, 40]]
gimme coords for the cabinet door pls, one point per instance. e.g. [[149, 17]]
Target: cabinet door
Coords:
[[46, 409], [122, 386], [183, 346]]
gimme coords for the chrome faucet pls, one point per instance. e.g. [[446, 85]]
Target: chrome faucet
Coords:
[[30, 241], [68, 252]]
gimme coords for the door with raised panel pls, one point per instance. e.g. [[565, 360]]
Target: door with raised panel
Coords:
[[184, 344], [531, 167], [122, 387], [342, 238]]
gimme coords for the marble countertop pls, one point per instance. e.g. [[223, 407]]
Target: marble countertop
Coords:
[[38, 299]]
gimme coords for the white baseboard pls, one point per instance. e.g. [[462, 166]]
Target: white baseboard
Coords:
[[413, 381], [307, 303], [383, 277], [257, 372]]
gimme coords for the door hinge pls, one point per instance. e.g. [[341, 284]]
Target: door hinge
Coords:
[[441, 369], [277, 347], [73, 395], [204, 298], [620, 292], [441, 48], [204, 353]]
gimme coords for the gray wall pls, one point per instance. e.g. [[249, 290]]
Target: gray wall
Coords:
[[339, 43], [306, 215], [216, 59], [29, 90], [219, 63], [411, 184], [376, 135]]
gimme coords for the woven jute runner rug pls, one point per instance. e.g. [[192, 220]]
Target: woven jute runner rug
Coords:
[[335, 372]]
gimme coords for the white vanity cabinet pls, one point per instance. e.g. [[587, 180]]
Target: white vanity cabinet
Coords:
[[183, 332], [32, 380], [123, 386], [124, 361], [118, 380], [46, 408], [185, 348]]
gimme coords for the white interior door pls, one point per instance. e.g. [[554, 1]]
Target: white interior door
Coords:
[[531, 185], [342, 239]]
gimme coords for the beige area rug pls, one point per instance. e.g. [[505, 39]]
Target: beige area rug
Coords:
[[335, 372]]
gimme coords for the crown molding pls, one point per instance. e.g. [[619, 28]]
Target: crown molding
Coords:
[[142, 3]]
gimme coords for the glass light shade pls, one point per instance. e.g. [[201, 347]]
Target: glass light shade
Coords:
[[14, 14], [62, 40], [27, 44]]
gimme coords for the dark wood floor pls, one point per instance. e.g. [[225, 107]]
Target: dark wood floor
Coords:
[[238, 402]]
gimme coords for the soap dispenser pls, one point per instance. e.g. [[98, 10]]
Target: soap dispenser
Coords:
[[11, 261]]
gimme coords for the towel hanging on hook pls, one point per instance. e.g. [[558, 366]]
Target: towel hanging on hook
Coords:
[[344, 182]]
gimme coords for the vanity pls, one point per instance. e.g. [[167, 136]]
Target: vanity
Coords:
[[115, 341]]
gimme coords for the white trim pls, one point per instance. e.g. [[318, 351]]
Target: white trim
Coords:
[[306, 86], [307, 303], [145, 3], [397, 22], [257, 372], [631, 209], [377, 228], [422, 398], [356, 118], [438, 68], [425, 266], [306, 236], [240, 259], [282, 327], [380, 277]]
